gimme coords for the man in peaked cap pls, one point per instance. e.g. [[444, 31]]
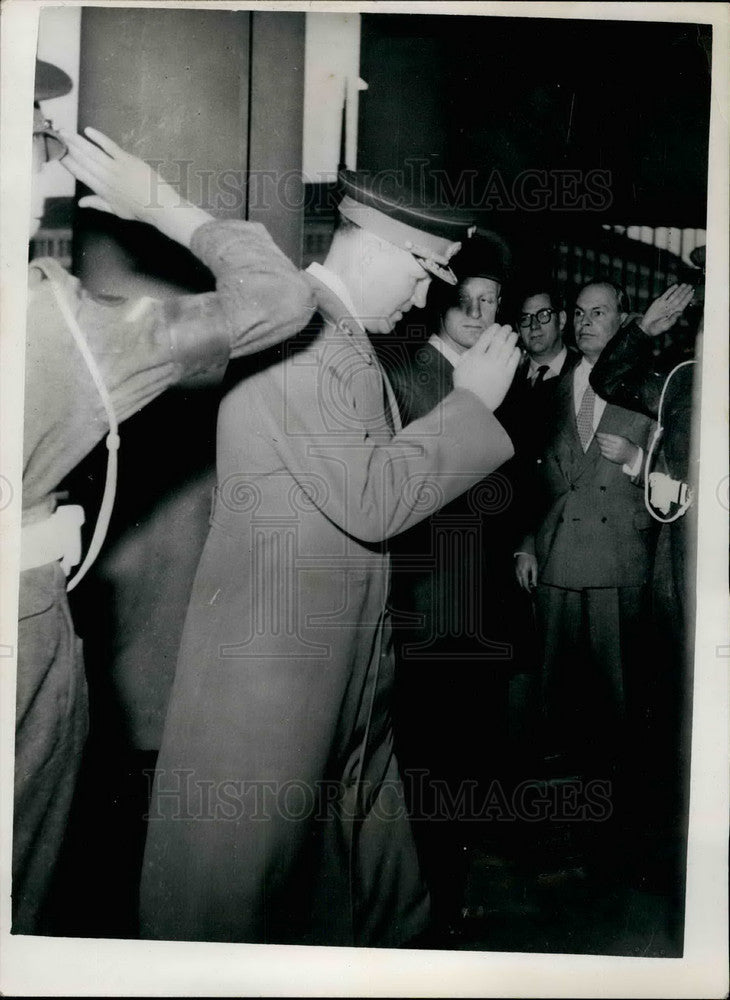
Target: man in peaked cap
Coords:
[[134, 351], [277, 811]]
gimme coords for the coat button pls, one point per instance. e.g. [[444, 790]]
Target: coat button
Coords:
[[603, 489], [603, 520]]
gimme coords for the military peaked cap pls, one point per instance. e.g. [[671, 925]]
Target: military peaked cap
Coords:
[[382, 205], [50, 81]]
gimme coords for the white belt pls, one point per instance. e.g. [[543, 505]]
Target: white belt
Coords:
[[56, 537]]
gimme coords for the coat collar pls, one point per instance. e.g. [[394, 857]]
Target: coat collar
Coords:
[[339, 319], [339, 322]]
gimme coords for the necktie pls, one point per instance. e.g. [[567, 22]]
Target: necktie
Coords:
[[540, 375], [584, 417]]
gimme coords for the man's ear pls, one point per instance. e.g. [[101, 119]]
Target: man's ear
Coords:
[[562, 319], [371, 246]]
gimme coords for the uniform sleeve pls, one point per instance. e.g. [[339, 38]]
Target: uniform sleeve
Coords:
[[371, 488], [144, 346], [624, 373]]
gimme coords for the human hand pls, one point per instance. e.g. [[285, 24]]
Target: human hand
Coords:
[[617, 449], [128, 187], [487, 368], [664, 311], [526, 570]]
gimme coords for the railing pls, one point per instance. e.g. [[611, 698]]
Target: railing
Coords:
[[56, 243], [641, 259]]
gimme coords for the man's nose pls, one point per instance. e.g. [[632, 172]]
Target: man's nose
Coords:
[[419, 297], [535, 323], [474, 309]]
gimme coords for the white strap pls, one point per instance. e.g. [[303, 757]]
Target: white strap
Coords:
[[55, 538], [656, 480], [112, 439]]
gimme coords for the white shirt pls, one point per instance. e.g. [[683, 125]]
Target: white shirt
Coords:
[[581, 375], [554, 367], [451, 355], [336, 285]]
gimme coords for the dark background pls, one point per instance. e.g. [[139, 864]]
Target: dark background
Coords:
[[516, 94]]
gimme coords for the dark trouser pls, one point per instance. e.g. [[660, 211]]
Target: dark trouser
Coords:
[[601, 690], [51, 727]]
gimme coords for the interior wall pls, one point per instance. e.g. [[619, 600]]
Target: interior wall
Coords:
[[215, 97]]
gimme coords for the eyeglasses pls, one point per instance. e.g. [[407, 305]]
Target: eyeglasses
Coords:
[[543, 316], [54, 146]]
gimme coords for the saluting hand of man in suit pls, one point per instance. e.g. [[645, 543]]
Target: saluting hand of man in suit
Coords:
[[487, 368], [665, 310]]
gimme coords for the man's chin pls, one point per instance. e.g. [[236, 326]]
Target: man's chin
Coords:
[[379, 326]]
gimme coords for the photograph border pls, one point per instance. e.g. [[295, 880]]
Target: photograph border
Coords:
[[85, 967]]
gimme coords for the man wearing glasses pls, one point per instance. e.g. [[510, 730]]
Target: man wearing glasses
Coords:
[[541, 322]]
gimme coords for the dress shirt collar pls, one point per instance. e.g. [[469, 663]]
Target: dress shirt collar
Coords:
[[452, 356], [554, 367], [336, 285], [583, 372]]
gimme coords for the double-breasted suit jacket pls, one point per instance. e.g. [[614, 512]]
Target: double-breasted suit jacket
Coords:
[[594, 530], [284, 678], [594, 544]]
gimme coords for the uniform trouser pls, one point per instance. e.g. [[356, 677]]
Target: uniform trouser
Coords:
[[51, 728]]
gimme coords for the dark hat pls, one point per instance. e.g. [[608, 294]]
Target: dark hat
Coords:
[[382, 205], [698, 256], [50, 81], [486, 255]]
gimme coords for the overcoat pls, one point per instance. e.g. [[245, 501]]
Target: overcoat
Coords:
[[277, 811]]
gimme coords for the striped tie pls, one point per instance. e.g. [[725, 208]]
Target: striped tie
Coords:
[[584, 417]]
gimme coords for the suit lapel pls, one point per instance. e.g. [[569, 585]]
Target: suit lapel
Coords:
[[569, 446], [612, 422]]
